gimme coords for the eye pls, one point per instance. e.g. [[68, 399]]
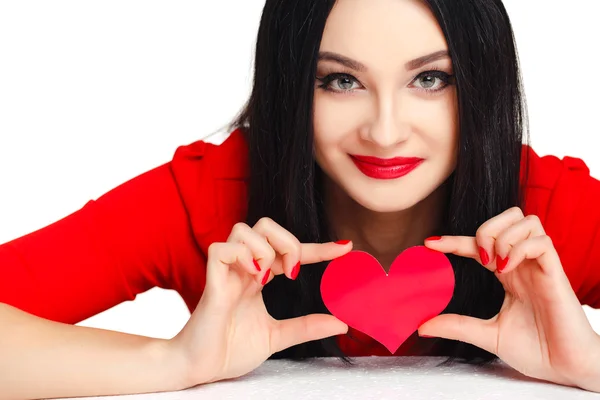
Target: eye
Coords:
[[338, 82], [432, 81], [429, 81]]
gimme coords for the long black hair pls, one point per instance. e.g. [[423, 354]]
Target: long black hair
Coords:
[[285, 181]]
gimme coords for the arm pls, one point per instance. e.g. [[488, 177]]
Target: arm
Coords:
[[136, 236], [44, 359], [575, 213], [565, 197], [131, 239]]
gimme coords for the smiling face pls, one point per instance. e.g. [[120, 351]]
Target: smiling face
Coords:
[[385, 108]]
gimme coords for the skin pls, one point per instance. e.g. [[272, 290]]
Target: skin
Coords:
[[540, 331], [386, 110]]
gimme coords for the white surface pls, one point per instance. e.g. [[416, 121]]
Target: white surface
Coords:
[[95, 93], [377, 378]]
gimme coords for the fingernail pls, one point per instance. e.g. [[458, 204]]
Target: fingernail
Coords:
[[295, 271], [483, 255], [426, 336], [256, 265], [266, 277], [433, 238], [342, 242], [501, 264]]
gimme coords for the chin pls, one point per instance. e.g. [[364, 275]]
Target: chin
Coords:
[[382, 203]]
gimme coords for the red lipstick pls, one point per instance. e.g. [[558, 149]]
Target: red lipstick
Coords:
[[386, 168]]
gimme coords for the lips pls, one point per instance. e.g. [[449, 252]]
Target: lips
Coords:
[[386, 168]]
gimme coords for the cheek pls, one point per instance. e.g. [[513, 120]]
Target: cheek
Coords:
[[453, 127], [334, 118], [442, 131]]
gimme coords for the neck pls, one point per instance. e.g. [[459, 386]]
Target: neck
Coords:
[[383, 235]]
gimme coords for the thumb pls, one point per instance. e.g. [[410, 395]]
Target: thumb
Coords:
[[293, 331], [478, 332]]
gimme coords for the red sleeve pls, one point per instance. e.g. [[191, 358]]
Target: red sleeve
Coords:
[[566, 198], [131, 239]]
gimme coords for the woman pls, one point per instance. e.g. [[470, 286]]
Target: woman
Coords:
[[342, 90]]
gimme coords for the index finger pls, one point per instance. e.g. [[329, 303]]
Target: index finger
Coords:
[[317, 252], [463, 246]]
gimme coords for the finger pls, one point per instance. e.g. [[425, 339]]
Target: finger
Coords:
[[293, 331], [527, 227], [284, 243], [317, 252], [463, 246], [489, 231], [262, 251], [221, 256], [478, 332], [538, 248], [267, 277]]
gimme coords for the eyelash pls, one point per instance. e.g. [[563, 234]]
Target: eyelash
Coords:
[[434, 72]]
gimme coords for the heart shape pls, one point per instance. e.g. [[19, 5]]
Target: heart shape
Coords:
[[388, 307]]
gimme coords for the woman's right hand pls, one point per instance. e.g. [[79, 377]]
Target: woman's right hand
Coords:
[[231, 333]]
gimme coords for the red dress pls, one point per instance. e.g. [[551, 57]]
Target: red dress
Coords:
[[155, 229]]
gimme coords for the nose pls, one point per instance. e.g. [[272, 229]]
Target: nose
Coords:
[[390, 125]]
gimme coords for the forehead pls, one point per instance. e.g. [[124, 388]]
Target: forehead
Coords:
[[382, 31]]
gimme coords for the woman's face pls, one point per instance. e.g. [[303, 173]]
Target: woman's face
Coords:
[[385, 101]]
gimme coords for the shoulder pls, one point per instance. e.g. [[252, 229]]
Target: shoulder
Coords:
[[547, 171], [563, 194], [554, 187], [211, 176], [224, 152]]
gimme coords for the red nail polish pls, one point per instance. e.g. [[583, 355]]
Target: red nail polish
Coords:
[[501, 264], [342, 242], [433, 238], [483, 255], [296, 270], [256, 265], [266, 277]]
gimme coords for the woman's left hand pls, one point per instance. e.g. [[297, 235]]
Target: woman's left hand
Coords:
[[541, 329]]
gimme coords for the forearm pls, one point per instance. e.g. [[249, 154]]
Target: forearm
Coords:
[[44, 359]]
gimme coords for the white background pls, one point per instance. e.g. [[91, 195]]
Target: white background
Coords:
[[95, 93]]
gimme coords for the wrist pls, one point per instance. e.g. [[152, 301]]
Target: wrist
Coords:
[[172, 364], [189, 372]]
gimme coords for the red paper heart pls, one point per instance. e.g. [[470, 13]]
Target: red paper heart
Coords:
[[388, 307]]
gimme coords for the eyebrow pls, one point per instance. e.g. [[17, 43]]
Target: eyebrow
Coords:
[[357, 66]]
